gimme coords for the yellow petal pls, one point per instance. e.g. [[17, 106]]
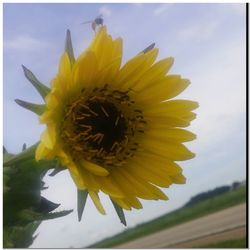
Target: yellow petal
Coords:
[[60, 87], [172, 151], [179, 179], [150, 174], [133, 202], [85, 71], [163, 90], [107, 51], [47, 139], [161, 165], [107, 74], [109, 71], [65, 69], [51, 100], [129, 67], [160, 195], [131, 79], [41, 152], [189, 116], [116, 56], [175, 107], [129, 186], [95, 198], [46, 116], [79, 182], [169, 134], [144, 189], [157, 71], [108, 186], [121, 203], [94, 168], [175, 88], [97, 44], [89, 179], [167, 121], [135, 68]]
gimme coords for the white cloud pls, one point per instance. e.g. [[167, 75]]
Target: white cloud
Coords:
[[219, 87], [24, 43], [198, 32], [106, 11], [138, 5], [161, 9], [237, 8]]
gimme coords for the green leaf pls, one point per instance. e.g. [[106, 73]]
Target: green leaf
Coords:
[[40, 87], [7, 171], [32, 227], [29, 153], [23, 204], [56, 214], [36, 108], [7, 157], [150, 47], [69, 48], [19, 236], [30, 215], [81, 201], [28, 156], [30, 230], [120, 213]]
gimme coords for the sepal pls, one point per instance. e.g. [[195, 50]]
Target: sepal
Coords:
[[69, 48], [55, 215], [31, 215], [36, 108], [150, 47], [120, 213], [58, 168], [40, 87], [82, 196]]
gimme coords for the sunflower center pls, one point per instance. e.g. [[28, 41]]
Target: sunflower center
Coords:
[[102, 126], [105, 123]]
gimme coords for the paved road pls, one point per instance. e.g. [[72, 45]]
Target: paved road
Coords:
[[221, 222], [236, 233]]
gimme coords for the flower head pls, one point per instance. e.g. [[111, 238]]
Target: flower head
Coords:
[[116, 128]]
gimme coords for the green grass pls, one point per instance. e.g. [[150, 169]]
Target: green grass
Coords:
[[178, 216], [240, 243]]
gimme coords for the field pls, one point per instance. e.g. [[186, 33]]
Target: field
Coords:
[[241, 243], [178, 216]]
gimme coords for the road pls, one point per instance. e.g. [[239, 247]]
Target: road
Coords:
[[229, 223]]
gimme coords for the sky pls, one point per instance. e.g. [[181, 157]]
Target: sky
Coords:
[[208, 44]]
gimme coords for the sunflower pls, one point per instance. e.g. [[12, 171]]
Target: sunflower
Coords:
[[117, 129]]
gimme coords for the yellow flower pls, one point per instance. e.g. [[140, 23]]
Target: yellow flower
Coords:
[[115, 128]]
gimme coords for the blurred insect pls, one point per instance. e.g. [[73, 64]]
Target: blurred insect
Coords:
[[94, 23]]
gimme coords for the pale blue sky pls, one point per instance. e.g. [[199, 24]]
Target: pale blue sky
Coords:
[[208, 43]]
